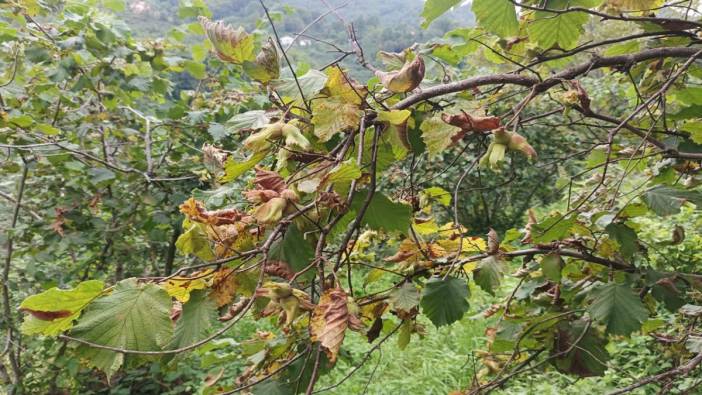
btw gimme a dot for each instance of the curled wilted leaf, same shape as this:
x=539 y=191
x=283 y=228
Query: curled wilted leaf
x=214 y=158
x=266 y=67
x=195 y=210
x=405 y=79
x=530 y=223
x=260 y=195
x=393 y=60
x=231 y=45
x=266 y=179
x=678 y=235
x=493 y=242
x=469 y=123
x=519 y=143
x=330 y=318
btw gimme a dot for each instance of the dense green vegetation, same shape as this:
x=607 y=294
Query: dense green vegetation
x=412 y=197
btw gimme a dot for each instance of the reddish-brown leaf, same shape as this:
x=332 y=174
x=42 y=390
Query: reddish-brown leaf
x=469 y=123
x=47 y=315
x=266 y=179
x=330 y=319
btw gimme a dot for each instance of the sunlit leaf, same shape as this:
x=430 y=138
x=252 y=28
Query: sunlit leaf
x=53 y=311
x=134 y=316
x=564 y=30
x=497 y=16
x=234 y=168
x=311 y=83
x=434 y=9
x=333 y=116
x=438 y=135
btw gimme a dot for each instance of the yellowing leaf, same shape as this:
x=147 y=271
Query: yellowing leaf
x=404 y=80
x=395 y=117
x=346 y=171
x=194 y=241
x=438 y=135
x=468 y=244
x=332 y=116
x=180 y=287
x=231 y=45
x=694 y=127
x=470 y=266
x=426 y=227
x=343 y=87
x=266 y=67
x=223 y=287
x=53 y=311
x=439 y=194
x=634 y=5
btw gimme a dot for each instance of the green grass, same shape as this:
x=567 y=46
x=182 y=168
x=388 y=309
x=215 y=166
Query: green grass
x=440 y=362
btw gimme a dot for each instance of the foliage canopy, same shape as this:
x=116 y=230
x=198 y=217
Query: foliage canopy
x=179 y=185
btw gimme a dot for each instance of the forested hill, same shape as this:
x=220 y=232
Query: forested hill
x=390 y=25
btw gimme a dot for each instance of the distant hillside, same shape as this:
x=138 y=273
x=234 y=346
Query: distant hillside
x=391 y=25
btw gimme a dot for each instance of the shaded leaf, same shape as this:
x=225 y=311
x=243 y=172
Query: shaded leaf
x=194 y=322
x=555 y=227
x=294 y=250
x=551 y=266
x=382 y=213
x=664 y=200
x=488 y=274
x=625 y=237
x=587 y=357
x=444 y=301
x=618 y=307
x=405 y=298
